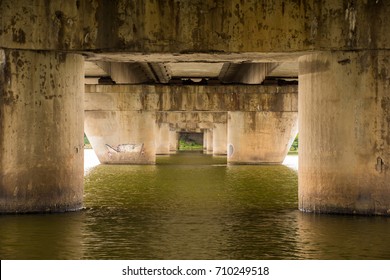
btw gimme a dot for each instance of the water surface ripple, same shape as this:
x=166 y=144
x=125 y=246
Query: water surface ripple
x=192 y=206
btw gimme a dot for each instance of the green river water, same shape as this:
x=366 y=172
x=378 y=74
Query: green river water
x=192 y=206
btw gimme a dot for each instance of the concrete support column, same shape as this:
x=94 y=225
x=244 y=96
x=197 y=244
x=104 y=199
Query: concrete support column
x=205 y=140
x=41 y=131
x=122 y=137
x=209 y=148
x=344 y=138
x=260 y=137
x=220 y=139
x=173 y=140
x=162 y=138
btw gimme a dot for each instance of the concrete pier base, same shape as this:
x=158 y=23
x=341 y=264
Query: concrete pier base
x=162 y=139
x=205 y=140
x=173 y=140
x=210 y=141
x=41 y=131
x=219 y=139
x=344 y=138
x=122 y=137
x=260 y=137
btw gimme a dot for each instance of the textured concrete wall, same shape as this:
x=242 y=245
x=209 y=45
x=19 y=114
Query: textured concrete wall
x=173 y=140
x=191 y=98
x=194 y=26
x=122 y=136
x=210 y=142
x=41 y=131
x=192 y=108
x=260 y=137
x=220 y=139
x=344 y=138
x=191 y=121
x=162 y=138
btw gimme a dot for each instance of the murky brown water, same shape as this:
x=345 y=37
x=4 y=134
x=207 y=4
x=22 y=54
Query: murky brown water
x=192 y=206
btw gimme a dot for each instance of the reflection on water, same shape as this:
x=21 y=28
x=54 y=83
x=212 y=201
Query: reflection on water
x=192 y=206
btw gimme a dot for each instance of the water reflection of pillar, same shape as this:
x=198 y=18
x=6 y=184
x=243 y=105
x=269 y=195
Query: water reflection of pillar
x=45 y=237
x=344 y=152
x=257 y=222
x=41 y=142
x=342 y=237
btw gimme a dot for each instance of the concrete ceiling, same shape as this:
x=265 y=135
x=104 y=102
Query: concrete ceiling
x=195 y=69
x=241 y=69
x=285 y=69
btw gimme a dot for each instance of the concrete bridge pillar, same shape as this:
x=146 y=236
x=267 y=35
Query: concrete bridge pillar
x=344 y=138
x=122 y=137
x=162 y=139
x=210 y=141
x=173 y=140
x=205 y=140
x=260 y=137
x=41 y=131
x=219 y=138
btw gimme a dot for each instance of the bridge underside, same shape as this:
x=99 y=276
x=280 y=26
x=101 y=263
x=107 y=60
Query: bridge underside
x=259 y=121
x=141 y=71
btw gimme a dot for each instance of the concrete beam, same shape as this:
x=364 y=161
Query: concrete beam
x=245 y=73
x=285 y=69
x=92 y=69
x=161 y=71
x=191 y=98
x=193 y=119
x=159 y=26
x=126 y=73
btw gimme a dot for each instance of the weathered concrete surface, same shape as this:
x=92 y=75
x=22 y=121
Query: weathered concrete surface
x=122 y=137
x=205 y=140
x=246 y=73
x=231 y=26
x=220 y=139
x=162 y=138
x=191 y=121
x=191 y=98
x=41 y=131
x=173 y=140
x=209 y=148
x=192 y=108
x=344 y=138
x=260 y=137
x=125 y=73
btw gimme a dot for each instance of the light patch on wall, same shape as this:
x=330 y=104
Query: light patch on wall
x=230 y=150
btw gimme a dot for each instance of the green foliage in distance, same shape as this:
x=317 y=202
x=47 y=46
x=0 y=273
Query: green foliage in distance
x=294 y=146
x=189 y=145
x=87 y=145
